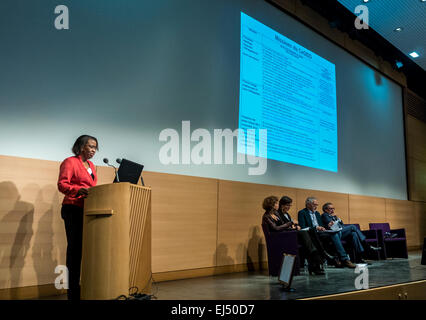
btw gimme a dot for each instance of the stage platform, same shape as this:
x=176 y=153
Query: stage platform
x=259 y=286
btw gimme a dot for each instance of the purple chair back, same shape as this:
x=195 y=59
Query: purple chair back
x=380 y=226
x=394 y=247
x=276 y=244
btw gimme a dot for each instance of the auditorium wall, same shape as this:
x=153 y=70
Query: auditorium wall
x=127 y=71
x=416 y=156
x=200 y=226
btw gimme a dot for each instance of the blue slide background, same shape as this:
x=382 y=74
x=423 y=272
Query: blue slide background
x=291 y=92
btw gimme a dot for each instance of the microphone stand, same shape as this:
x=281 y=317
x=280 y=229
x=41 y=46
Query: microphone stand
x=115 y=169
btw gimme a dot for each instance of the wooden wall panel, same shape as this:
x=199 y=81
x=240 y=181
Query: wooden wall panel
x=197 y=223
x=184 y=221
x=240 y=237
x=420 y=210
x=416 y=149
x=402 y=214
x=32 y=233
x=365 y=210
x=340 y=201
x=417 y=179
x=416 y=138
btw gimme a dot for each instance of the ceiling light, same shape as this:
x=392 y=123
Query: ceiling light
x=399 y=29
x=414 y=54
x=365 y=1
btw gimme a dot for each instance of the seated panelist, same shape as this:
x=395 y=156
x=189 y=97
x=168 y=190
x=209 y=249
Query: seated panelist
x=348 y=232
x=273 y=218
x=311 y=218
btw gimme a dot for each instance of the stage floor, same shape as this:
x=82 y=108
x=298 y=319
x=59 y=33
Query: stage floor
x=259 y=286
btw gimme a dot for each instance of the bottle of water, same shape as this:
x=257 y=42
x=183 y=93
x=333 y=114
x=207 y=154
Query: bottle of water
x=305 y=267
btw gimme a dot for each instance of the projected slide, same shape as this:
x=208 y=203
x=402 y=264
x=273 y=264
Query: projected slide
x=291 y=92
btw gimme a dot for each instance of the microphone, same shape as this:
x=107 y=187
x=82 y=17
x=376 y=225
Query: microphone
x=115 y=169
x=118 y=160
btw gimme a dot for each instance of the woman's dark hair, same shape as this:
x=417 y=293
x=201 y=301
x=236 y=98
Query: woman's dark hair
x=81 y=142
x=285 y=200
x=269 y=202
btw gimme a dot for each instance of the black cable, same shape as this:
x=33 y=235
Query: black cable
x=136 y=295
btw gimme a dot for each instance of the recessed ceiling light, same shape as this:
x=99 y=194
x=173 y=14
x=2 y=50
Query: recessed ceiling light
x=414 y=54
x=365 y=1
x=399 y=28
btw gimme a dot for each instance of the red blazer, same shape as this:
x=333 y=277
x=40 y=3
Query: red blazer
x=74 y=176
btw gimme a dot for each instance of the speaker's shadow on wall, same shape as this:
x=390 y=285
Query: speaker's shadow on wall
x=42 y=252
x=221 y=257
x=255 y=250
x=16 y=229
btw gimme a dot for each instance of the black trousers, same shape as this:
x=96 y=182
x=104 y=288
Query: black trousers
x=313 y=234
x=313 y=253
x=73 y=218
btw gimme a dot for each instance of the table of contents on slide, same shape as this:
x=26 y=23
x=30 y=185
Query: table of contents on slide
x=291 y=92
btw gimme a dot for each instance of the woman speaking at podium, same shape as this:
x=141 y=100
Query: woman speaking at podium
x=76 y=175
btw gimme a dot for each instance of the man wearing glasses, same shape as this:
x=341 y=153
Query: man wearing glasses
x=348 y=232
x=310 y=218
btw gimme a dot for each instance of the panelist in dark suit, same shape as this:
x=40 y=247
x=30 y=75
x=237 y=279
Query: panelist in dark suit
x=310 y=218
x=348 y=232
x=76 y=175
x=309 y=240
x=275 y=223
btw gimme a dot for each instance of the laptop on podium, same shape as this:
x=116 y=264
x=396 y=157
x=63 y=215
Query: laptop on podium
x=129 y=171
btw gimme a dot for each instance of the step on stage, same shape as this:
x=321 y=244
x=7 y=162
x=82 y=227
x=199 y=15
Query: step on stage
x=259 y=286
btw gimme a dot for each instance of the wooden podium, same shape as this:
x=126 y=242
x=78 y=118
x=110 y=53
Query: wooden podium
x=116 y=241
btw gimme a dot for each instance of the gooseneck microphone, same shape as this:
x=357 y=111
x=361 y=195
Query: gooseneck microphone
x=118 y=160
x=115 y=169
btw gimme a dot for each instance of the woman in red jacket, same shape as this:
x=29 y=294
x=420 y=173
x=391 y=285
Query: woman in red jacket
x=77 y=174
